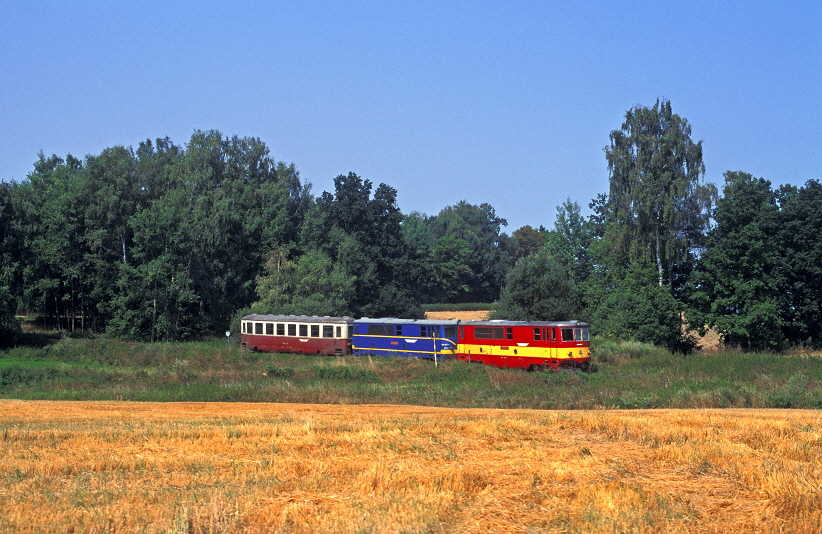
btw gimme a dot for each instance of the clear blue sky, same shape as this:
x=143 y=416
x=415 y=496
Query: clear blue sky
x=507 y=102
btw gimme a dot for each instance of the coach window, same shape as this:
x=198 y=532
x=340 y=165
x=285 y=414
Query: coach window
x=258 y=328
x=292 y=329
x=315 y=330
x=280 y=329
x=328 y=330
x=269 y=329
x=303 y=330
x=339 y=331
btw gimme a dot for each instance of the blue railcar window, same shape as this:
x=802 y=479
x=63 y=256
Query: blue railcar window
x=423 y=331
x=380 y=330
x=450 y=331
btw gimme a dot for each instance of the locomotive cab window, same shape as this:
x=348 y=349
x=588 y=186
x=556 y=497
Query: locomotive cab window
x=509 y=333
x=567 y=334
x=536 y=334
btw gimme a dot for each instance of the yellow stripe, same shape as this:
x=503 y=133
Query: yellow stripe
x=560 y=353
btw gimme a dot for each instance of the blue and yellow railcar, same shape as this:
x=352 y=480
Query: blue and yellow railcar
x=405 y=337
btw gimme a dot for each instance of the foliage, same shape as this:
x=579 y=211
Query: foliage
x=467 y=254
x=800 y=243
x=736 y=288
x=312 y=285
x=539 y=288
x=632 y=306
x=656 y=205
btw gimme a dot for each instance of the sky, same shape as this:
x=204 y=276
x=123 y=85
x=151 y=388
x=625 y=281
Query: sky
x=509 y=103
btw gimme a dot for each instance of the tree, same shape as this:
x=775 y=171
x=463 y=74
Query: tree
x=657 y=205
x=490 y=251
x=527 y=241
x=539 y=288
x=634 y=306
x=313 y=285
x=800 y=241
x=736 y=287
x=10 y=255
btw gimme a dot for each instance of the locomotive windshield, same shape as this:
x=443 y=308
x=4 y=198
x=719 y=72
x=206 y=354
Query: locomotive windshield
x=575 y=334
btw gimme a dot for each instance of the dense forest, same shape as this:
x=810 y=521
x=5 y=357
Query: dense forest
x=170 y=242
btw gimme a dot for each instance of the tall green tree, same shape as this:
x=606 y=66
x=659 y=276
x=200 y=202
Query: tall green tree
x=632 y=305
x=800 y=243
x=11 y=243
x=657 y=204
x=311 y=285
x=539 y=288
x=490 y=251
x=736 y=288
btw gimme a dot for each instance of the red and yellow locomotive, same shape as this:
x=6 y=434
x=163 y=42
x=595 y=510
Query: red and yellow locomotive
x=531 y=345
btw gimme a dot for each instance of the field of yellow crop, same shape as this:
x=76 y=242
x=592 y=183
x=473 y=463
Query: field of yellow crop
x=212 y=467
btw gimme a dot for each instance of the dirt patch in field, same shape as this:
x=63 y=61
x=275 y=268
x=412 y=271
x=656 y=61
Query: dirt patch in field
x=476 y=315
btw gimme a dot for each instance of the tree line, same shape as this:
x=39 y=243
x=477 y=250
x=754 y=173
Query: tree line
x=170 y=242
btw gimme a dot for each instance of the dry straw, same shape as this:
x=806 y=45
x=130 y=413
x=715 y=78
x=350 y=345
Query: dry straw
x=199 y=467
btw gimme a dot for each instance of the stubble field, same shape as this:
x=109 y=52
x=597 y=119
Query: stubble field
x=230 y=467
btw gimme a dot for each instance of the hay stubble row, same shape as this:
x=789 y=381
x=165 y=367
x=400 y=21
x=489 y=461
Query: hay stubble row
x=215 y=467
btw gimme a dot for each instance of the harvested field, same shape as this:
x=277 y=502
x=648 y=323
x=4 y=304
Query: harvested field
x=219 y=467
x=480 y=315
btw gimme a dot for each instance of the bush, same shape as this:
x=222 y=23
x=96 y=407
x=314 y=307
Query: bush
x=273 y=371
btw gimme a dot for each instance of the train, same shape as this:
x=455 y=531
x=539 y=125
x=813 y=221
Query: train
x=530 y=345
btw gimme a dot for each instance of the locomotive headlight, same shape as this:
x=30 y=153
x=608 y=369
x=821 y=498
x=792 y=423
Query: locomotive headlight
x=580 y=351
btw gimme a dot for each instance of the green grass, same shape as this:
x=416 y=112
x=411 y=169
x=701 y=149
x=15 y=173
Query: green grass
x=626 y=375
